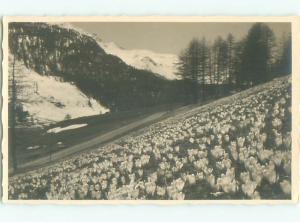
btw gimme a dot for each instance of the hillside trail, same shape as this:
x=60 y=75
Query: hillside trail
x=90 y=144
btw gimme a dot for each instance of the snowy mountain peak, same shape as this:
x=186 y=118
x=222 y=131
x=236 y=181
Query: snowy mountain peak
x=159 y=63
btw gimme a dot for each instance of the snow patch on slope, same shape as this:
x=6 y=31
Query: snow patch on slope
x=61 y=129
x=48 y=99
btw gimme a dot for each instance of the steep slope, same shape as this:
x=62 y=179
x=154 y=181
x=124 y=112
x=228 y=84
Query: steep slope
x=75 y=57
x=162 y=64
x=47 y=99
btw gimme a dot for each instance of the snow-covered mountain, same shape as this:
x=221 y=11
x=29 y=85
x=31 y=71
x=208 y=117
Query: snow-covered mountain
x=160 y=63
x=48 y=99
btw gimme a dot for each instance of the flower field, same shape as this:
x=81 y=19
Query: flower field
x=238 y=147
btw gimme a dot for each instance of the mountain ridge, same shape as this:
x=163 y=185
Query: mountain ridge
x=163 y=64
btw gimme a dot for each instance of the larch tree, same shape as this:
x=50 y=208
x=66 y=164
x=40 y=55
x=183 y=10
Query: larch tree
x=203 y=66
x=230 y=58
x=284 y=60
x=188 y=68
x=258 y=55
x=220 y=63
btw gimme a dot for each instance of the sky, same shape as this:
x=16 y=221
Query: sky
x=169 y=37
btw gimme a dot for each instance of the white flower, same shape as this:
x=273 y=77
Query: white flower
x=217 y=152
x=178 y=184
x=287 y=141
x=177 y=149
x=200 y=176
x=270 y=174
x=191 y=179
x=278 y=140
x=140 y=172
x=178 y=196
x=245 y=177
x=285 y=186
x=201 y=164
x=240 y=141
x=249 y=188
x=211 y=180
x=138 y=163
x=226 y=138
x=161 y=191
x=150 y=188
x=192 y=140
x=145 y=159
x=227 y=184
x=153 y=177
x=255 y=195
x=264 y=154
x=276 y=123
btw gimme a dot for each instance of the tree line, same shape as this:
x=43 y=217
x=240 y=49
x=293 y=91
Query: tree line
x=210 y=69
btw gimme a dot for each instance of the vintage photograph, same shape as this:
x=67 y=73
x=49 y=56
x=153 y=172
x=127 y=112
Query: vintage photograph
x=149 y=110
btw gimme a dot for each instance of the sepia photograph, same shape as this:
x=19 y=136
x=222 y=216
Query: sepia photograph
x=148 y=109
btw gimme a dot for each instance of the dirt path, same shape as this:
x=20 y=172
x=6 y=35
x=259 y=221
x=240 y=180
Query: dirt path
x=93 y=143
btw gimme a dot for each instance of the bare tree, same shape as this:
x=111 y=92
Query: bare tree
x=12 y=125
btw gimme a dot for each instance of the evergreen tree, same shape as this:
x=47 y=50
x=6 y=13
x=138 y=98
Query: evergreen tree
x=203 y=70
x=230 y=58
x=188 y=68
x=220 y=63
x=193 y=67
x=258 y=55
x=284 y=61
x=237 y=63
